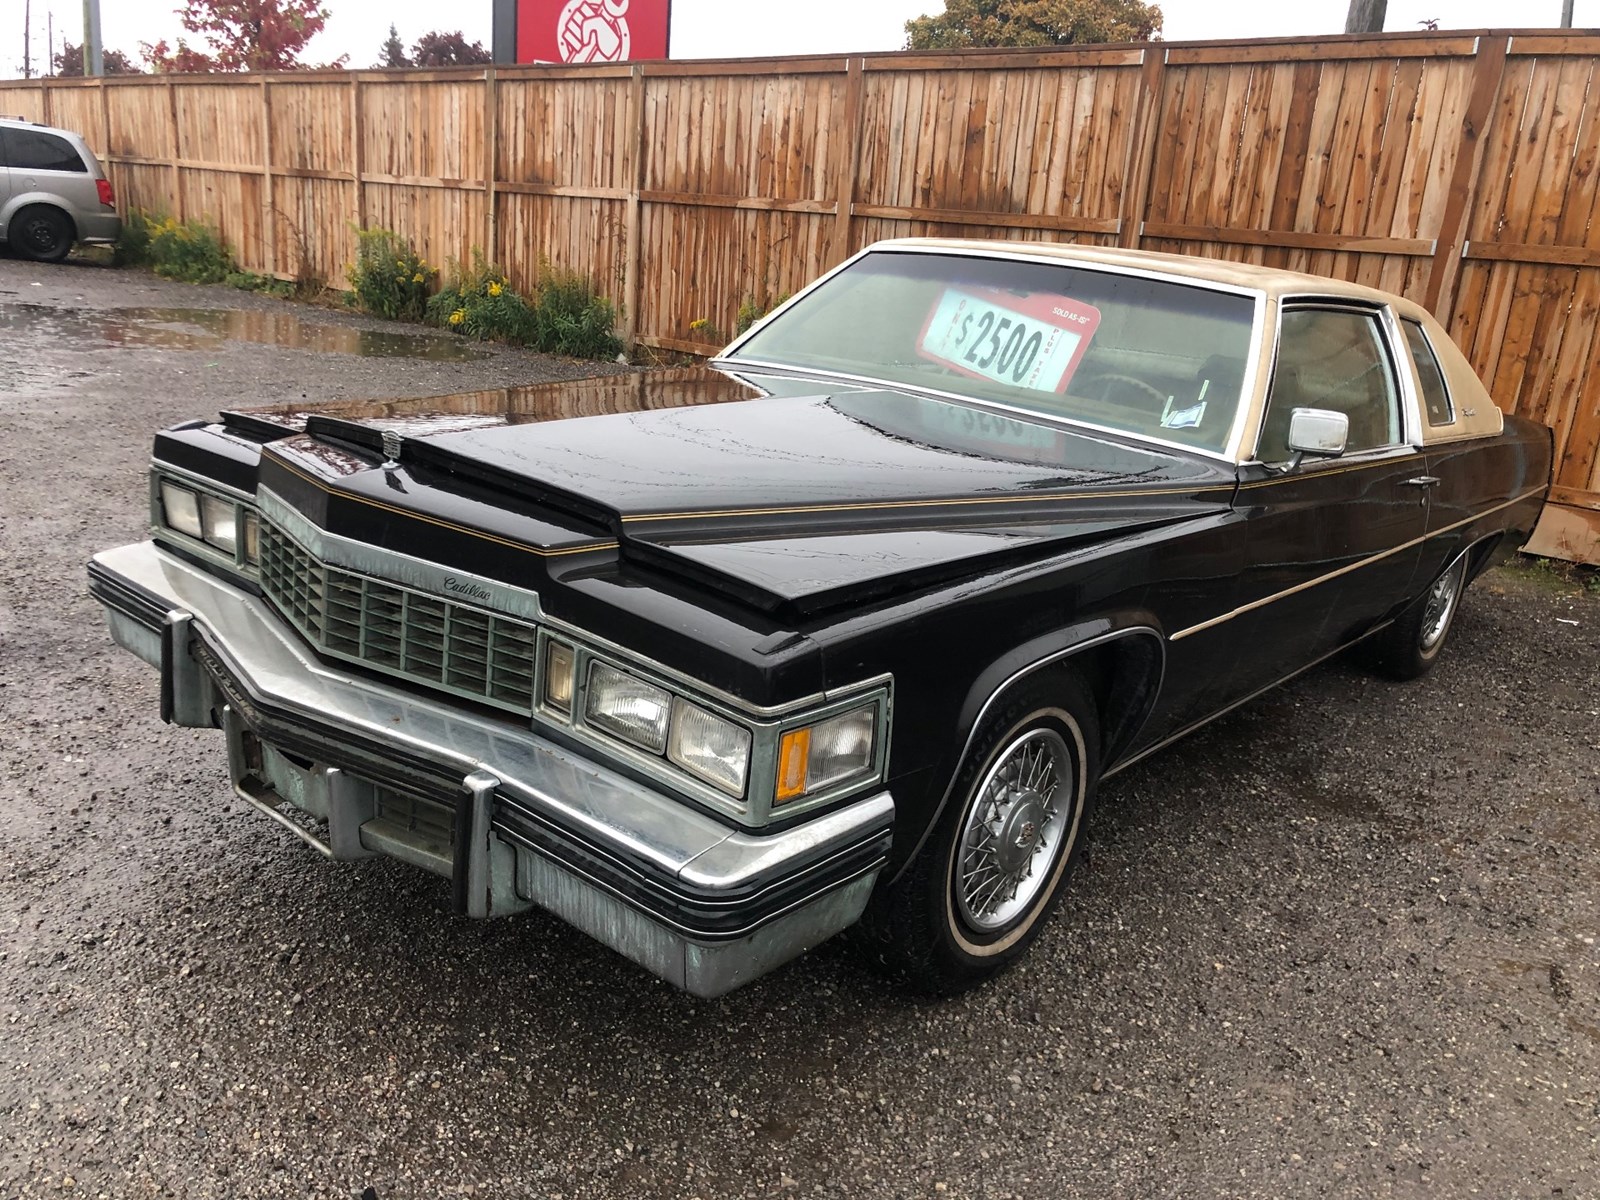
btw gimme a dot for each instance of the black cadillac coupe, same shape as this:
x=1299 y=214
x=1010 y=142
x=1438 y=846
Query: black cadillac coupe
x=840 y=631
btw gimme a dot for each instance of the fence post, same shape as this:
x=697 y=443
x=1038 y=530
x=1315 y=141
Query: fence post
x=1141 y=150
x=105 y=119
x=44 y=103
x=491 y=165
x=269 y=216
x=357 y=151
x=1488 y=69
x=633 y=234
x=178 y=151
x=112 y=173
x=846 y=155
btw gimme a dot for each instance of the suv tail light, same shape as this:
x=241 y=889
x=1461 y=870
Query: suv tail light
x=107 y=196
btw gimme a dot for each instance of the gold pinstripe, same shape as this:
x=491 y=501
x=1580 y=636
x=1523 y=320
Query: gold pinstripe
x=954 y=502
x=442 y=524
x=1345 y=570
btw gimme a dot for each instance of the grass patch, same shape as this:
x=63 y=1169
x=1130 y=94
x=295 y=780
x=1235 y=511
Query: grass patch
x=1554 y=576
x=572 y=318
x=266 y=285
x=477 y=302
x=188 y=251
x=565 y=316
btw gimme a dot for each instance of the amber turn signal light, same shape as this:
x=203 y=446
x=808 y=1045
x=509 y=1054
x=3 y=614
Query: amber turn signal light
x=794 y=756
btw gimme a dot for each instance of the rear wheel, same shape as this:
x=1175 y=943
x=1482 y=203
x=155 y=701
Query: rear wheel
x=997 y=863
x=1409 y=647
x=41 y=234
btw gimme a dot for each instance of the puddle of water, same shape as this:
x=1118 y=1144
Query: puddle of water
x=623 y=392
x=212 y=328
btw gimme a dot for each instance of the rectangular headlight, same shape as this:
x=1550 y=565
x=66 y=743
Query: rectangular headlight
x=633 y=710
x=219 y=522
x=180 y=508
x=818 y=756
x=703 y=744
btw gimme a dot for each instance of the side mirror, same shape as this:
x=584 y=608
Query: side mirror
x=1319 y=432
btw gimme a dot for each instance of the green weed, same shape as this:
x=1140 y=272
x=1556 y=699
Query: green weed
x=751 y=311
x=565 y=316
x=188 y=251
x=477 y=302
x=572 y=318
x=267 y=285
x=389 y=278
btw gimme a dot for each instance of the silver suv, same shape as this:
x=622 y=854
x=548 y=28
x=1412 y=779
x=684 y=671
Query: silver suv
x=53 y=192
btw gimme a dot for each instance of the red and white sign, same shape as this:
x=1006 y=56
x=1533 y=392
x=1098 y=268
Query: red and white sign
x=592 y=31
x=1033 y=342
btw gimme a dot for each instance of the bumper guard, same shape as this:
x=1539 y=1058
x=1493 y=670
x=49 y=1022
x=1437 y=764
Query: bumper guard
x=512 y=818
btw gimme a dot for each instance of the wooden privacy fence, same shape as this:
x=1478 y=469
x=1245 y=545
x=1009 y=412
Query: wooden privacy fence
x=1458 y=169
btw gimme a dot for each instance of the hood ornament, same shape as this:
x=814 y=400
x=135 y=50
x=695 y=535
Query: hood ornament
x=392 y=441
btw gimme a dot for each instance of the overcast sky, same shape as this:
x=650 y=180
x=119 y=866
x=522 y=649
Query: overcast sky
x=718 y=28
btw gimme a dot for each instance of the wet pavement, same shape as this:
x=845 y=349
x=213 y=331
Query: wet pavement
x=214 y=328
x=1341 y=943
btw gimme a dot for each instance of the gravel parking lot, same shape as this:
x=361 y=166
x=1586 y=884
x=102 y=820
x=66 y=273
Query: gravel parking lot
x=1340 y=943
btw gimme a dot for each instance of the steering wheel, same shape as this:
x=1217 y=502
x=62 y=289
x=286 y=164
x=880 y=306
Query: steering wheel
x=1111 y=380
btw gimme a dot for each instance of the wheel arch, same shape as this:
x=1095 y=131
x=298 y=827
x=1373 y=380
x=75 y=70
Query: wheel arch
x=1485 y=553
x=19 y=204
x=1107 y=653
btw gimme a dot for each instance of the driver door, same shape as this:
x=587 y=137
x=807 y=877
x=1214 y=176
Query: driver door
x=1333 y=544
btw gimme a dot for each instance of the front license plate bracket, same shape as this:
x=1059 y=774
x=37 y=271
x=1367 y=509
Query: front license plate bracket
x=267 y=779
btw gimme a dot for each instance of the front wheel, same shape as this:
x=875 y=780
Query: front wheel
x=1409 y=647
x=41 y=234
x=998 y=861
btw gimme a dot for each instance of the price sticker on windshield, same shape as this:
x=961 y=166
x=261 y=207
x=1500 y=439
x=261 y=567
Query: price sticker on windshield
x=1032 y=342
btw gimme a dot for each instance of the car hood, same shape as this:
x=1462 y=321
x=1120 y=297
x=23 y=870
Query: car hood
x=801 y=500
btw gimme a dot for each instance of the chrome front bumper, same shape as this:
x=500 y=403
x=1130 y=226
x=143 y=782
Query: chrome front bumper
x=512 y=818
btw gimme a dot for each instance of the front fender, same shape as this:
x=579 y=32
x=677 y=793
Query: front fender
x=1040 y=653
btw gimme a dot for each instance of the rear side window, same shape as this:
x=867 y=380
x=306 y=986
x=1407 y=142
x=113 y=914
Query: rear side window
x=1435 y=395
x=34 y=150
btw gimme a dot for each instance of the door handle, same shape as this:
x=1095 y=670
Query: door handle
x=1422 y=481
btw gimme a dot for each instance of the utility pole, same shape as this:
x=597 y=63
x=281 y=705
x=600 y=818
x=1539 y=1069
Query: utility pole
x=93 y=59
x=49 y=41
x=1566 y=14
x=1366 y=16
x=27 y=38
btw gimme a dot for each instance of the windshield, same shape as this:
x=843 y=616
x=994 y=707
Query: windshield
x=1146 y=356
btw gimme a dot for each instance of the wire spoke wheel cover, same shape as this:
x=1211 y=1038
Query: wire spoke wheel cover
x=1018 y=825
x=1440 y=605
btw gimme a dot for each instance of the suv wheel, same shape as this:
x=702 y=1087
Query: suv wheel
x=41 y=234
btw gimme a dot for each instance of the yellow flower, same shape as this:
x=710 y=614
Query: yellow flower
x=699 y=323
x=417 y=278
x=458 y=316
x=495 y=289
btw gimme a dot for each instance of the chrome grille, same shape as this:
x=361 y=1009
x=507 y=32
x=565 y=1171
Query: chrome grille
x=455 y=647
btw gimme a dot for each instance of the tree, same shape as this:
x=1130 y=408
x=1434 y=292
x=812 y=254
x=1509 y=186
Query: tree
x=69 y=61
x=1366 y=16
x=392 y=53
x=966 y=23
x=242 y=35
x=439 y=49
